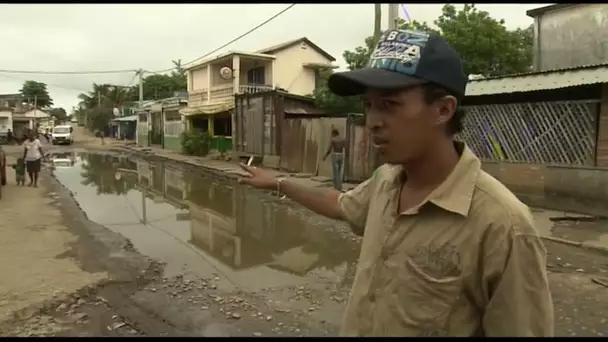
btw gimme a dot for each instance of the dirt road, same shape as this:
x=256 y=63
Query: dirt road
x=72 y=277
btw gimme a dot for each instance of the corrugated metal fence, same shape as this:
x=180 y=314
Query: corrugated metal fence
x=305 y=141
x=538 y=133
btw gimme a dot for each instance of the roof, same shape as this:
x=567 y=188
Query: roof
x=535 y=12
x=10 y=96
x=544 y=80
x=285 y=45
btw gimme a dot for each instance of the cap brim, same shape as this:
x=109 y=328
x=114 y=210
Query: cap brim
x=357 y=82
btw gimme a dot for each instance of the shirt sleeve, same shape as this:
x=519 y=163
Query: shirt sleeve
x=515 y=279
x=354 y=205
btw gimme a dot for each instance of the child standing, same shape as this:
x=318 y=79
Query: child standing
x=20 y=171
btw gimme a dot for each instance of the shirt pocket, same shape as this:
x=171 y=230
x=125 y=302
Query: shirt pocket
x=422 y=301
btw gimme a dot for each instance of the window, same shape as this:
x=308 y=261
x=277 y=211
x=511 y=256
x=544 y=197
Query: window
x=61 y=130
x=256 y=76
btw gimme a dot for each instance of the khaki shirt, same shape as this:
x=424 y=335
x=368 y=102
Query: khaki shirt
x=466 y=262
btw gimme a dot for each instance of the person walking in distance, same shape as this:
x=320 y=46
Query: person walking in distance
x=447 y=249
x=336 y=148
x=32 y=153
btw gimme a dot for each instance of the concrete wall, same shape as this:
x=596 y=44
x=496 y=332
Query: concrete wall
x=576 y=189
x=572 y=37
x=6 y=121
x=289 y=72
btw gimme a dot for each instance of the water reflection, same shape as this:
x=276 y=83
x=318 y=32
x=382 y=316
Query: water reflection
x=244 y=230
x=99 y=170
x=62 y=159
x=189 y=220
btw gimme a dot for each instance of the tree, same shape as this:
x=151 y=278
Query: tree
x=36 y=93
x=485 y=45
x=58 y=113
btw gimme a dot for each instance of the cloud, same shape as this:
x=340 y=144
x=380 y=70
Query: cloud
x=78 y=37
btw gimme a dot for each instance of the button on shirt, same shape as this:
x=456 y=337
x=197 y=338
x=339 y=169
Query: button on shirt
x=466 y=262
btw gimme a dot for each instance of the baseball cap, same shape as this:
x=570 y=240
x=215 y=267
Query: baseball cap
x=402 y=59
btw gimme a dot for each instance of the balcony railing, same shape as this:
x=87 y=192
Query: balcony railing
x=253 y=88
x=223 y=93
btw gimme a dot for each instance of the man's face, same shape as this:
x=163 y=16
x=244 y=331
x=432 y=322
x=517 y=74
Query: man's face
x=402 y=124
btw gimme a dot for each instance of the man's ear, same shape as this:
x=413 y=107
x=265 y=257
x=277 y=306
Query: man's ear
x=446 y=107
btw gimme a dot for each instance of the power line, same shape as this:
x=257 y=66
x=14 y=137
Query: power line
x=97 y=72
x=40 y=72
x=234 y=40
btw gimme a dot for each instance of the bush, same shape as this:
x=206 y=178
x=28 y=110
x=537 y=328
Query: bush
x=195 y=143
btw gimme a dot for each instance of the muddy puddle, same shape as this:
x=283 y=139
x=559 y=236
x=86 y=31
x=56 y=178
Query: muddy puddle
x=202 y=226
x=571 y=226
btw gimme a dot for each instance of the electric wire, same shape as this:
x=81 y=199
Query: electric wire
x=233 y=40
x=41 y=72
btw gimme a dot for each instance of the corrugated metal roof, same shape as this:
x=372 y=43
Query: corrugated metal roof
x=127 y=118
x=545 y=80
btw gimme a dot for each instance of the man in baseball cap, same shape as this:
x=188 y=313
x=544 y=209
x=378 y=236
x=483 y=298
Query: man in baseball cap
x=447 y=250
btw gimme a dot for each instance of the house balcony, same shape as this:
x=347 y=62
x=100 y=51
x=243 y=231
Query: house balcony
x=251 y=73
x=223 y=93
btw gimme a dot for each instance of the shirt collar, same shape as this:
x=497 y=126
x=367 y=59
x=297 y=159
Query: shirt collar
x=455 y=194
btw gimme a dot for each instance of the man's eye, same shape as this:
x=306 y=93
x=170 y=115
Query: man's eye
x=388 y=104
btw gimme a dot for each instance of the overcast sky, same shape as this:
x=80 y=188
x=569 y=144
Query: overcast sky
x=83 y=37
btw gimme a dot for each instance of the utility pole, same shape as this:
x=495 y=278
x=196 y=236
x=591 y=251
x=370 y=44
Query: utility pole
x=140 y=72
x=393 y=16
x=35 y=111
x=98 y=99
x=377 y=20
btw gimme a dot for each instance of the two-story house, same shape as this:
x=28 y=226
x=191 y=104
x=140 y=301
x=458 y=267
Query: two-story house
x=292 y=66
x=570 y=35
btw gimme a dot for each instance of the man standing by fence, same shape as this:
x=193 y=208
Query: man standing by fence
x=337 y=148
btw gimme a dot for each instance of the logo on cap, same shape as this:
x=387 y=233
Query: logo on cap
x=399 y=51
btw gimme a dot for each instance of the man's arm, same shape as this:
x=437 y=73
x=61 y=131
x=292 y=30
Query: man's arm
x=515 y=279
x=321 y=201
x=351 y=206
x=328 y=152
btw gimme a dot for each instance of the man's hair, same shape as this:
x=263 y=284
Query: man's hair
x=432 y=93
x=334 y=132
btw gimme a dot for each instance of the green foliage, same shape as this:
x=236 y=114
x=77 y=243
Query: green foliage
x=195 y=143
x=99 y=118
x=485 y=45
x=36 y=93
x=97 y=104
x=331 y=103
x=59 y=114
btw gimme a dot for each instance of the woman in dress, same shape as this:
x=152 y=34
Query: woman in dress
x=33 y=158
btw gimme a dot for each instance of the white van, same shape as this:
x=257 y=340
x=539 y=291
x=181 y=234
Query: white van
x=62 y=135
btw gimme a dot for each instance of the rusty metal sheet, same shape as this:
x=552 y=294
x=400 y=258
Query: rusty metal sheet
x=358 y=166
x=305 y=141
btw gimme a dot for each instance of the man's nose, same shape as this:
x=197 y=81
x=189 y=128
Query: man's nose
x=373 y=120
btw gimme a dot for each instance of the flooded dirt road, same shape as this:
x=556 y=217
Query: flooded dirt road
x=222 y=245
x=241 y=262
